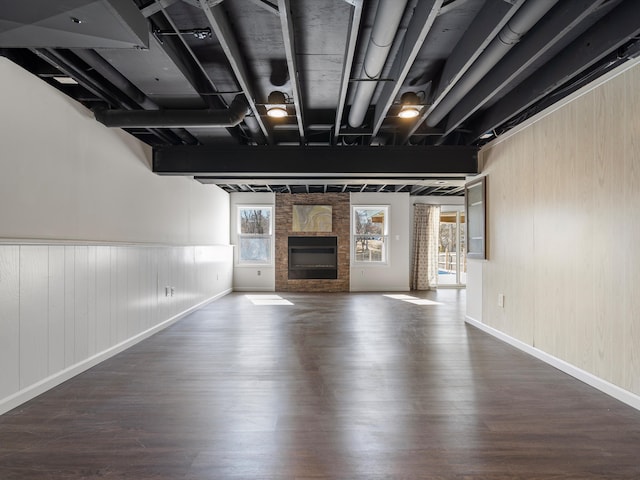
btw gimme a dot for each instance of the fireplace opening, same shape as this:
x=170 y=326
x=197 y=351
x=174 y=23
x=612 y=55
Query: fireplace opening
x=313 y=257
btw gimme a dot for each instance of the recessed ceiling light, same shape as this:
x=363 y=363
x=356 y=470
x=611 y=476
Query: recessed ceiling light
x=75 y=20
x=276 y=105
x=277 y=112
x=410 y=105
x=440 y=182
x=65 y=80
x=409 y=112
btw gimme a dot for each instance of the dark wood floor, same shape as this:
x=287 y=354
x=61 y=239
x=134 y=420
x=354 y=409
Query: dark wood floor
x=340 y=386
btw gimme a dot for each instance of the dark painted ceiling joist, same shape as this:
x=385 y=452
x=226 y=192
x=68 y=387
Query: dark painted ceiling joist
x=349 y=54
x=338 y=162
x=489 y=22
x=422 y=20
x=224 y=33
x=533 y=46
x=286 y=20
x=614 y=30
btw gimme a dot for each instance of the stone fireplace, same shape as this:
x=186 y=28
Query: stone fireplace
x=313 y=253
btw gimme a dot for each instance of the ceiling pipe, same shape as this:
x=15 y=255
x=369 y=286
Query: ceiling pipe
x=108 y=71
x=385 y=27
x=523 y=20
x=111 y=74
x=222 y=118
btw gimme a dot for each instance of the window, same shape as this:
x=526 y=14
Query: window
x=370 y=234
x=254 y=235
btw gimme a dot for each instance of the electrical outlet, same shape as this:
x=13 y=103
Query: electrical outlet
x=259 y=272
x=501 y=300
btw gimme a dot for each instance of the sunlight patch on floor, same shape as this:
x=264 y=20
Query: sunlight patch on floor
x=268 y=300
x=411 y=299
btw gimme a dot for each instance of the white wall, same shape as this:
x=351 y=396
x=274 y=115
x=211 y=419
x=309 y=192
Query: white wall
x=90 y=238
x=563 y=197
x=393 y=276
x=66 y=176
x=252 y=278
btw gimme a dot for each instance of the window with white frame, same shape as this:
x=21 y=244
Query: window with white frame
x=255 y=234
x=370 y=233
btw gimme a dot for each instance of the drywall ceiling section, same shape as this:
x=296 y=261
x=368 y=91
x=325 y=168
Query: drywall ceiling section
x=72 y=24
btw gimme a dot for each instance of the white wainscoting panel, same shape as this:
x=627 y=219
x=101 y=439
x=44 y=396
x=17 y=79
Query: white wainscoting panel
x=9 y=319
x=65 y=308
x=56 y=309
x=34 y=319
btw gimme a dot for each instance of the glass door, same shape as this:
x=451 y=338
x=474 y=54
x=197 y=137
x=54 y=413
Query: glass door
x=452 y=261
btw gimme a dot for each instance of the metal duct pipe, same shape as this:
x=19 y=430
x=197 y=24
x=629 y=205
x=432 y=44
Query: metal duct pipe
x=384 y=30
x=229 y=117
x=523 y=20
x=104 y=68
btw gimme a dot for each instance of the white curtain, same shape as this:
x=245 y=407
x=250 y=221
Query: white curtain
x=426 y=232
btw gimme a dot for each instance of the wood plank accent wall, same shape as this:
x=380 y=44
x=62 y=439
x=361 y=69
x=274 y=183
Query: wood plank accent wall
x=564 y=232
x=63 y=308
x=283 y=229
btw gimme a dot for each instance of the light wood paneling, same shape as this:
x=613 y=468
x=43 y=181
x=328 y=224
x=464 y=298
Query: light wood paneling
x=630 y=242
x=508 y=197
x=9 y=320
x=608 y=185
x=575 y=298
x=34 y=327
x=584 y=264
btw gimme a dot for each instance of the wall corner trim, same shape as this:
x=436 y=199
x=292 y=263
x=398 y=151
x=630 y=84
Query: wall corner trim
x=610 y=389
x=32 y=391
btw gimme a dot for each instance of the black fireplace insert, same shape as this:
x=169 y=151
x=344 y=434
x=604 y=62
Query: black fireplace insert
x=313 y=258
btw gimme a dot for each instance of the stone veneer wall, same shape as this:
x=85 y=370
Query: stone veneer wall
x=340 y=223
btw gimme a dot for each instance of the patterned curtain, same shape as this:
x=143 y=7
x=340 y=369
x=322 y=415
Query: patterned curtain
x=426 y=231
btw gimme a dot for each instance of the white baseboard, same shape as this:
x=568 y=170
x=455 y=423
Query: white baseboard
x=610 y=389
x=32 y=391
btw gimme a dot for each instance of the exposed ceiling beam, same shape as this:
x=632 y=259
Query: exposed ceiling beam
x=268 y=6
x=449 y=7
x=183 y=57
x=487 y=24
x=533 y=46
x=286 y=19
x=338 y=183
x=490 y=20
x=337 y=162
x=422 y=19
x=157 y=6
x=220 y=25
x=350 y=49
x=614 y=30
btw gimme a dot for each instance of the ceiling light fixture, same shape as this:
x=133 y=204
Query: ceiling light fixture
x=277 y=105
x=410 y=105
